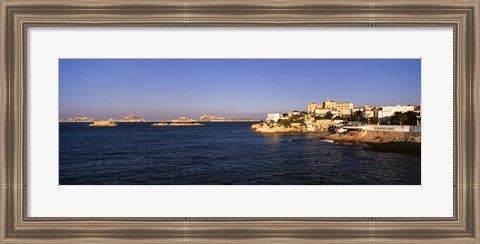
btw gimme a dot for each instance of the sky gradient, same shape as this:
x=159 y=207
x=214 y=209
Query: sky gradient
x=162 y=89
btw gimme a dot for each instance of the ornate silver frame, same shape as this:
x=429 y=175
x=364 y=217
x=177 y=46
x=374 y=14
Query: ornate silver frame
x=17 y=16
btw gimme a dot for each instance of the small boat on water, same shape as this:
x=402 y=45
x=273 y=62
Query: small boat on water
x=327 y=140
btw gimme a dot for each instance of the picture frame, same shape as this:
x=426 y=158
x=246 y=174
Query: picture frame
x=17 y=16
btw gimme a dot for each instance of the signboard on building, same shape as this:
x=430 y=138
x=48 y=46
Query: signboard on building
x=398 y=128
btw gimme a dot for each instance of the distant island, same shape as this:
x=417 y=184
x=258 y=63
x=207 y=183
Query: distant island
x=128 y=118
x=104 y=123
x=183 y=119
x=212 y=118
x=132 y=118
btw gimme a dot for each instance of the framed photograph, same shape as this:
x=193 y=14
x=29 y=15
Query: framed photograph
x=239 y=121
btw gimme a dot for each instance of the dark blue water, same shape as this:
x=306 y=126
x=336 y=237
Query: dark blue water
x=220 y=153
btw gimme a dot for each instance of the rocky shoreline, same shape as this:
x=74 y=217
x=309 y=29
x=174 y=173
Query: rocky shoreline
x=103 y=123
x=375 y=139
x=386 y=142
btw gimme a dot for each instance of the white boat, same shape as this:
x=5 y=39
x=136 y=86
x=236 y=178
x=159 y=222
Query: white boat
x=327 y=140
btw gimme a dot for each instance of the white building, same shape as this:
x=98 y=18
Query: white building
x=356 y=109
x=336 y=113
x=273 y=117
x=344 y=112
x=368 y=114
x=321 y=111
x=385 y=112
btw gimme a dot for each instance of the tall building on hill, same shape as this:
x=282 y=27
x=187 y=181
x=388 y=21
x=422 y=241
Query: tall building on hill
x=329 y=104
x=344 y=105
x=344 y=108
x=312 y=106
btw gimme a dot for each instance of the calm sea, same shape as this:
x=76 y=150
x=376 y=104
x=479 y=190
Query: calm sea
x=221 y=153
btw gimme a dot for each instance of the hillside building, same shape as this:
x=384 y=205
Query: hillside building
x=329 y=104
x=273 y=117
x=292 y=113
x=340 y=108
x=312 y=106
x=385 y=112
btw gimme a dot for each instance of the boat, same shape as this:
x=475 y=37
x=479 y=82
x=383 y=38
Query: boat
x=327 y=140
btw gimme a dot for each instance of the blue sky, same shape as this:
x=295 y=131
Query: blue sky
x=247 y=88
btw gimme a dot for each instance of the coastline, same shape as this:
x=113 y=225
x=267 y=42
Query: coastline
x=375 y=139
x=383 y=141
x=409 y=143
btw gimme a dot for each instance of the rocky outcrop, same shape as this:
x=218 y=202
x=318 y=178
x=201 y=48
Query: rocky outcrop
x=104 y=123
x=376 y=137
x=182 y=120
x=132 y=118
x=383 y=141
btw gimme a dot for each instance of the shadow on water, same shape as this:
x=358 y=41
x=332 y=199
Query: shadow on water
x=397 y=147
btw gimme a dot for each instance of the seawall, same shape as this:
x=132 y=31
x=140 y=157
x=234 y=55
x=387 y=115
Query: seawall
x=384 y=141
